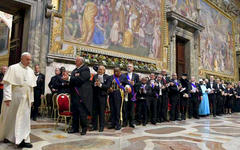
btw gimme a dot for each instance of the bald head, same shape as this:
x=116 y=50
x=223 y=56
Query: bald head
x=101 y=70
x=26 y=59
x=4 y=69
x=79 y=61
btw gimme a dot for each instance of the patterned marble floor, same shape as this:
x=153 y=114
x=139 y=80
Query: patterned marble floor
x=221 y=133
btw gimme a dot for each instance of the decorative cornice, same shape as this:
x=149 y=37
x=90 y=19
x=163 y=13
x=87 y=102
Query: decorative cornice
x=184 y=22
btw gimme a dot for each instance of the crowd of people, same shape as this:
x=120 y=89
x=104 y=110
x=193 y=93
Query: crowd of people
x=132 y=100
x=135 y=100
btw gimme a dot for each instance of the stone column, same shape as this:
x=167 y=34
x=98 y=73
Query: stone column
x=173 y=27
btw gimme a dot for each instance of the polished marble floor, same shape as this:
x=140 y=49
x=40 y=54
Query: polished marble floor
x=221 y=133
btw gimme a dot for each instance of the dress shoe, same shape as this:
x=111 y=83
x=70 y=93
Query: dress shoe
x=154 y=123
x=71 y=131
x=118 y=127
x=6 y=141
x=84 y=131
x=124 y=124
x=111 y=127
x=93 y=129
x=25 y=145
x=101 y=129
x=131 y=125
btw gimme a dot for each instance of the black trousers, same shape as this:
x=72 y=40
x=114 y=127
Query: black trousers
x=99 y=106
x=152 y=109
x=128 y=111
x=36 y=103
x=183 y=106
x=159 y=107
x=193 y=106
x=80 y=112
x=1 y=99
x=143 y=110
x=174 y=101
x=115 y=101
x=213 y=103
x=220 y=104
x=164 y=107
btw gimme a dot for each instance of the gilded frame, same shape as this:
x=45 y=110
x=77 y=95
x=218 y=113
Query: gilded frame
x=87 y=48
x=204 y=72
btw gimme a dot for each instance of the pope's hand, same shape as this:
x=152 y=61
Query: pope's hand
x=7 y=102
x=42 y=96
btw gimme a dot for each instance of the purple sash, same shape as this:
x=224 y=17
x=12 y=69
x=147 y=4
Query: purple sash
x=118 y=83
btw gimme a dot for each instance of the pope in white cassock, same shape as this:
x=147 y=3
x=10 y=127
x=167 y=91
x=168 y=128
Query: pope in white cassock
x=19 y=81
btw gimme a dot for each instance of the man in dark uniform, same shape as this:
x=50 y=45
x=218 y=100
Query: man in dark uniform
x=38 y=92
x=162 y=106
x=128 y=106
x=116 y=91
x=195 y=97
x=142 y=95
x=212 y=95
x=173 y=94
x=100 y=88
x=219 y=97
x=3 y=71
x=184 y=95
x=52 y=83
x=152 y=99
x=81 y=96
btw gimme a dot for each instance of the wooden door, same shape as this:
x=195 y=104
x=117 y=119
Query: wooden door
x=180 y=63
x=16 y=38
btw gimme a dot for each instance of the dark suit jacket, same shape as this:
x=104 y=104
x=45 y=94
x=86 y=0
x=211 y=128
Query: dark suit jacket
x=214 y=86
x=81 y=88
x=39 y=89
x=199 y=93
x=52 y=83
x=135 y=78
x=40 y=83
x=122 y=79
x=100 y=91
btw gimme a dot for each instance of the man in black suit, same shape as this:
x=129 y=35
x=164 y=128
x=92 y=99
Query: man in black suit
x=116 y=91
x=128 y=105
x=152 y=98
x=38 y=92
x=195 y=97
x=142 y=95
x=162 y=106
x=173 y=93
x=3 y=71
x=184 y=95
x=100 y=88
x=81 y=96
x=52 y=83
x=212 y=95
x=219 y=97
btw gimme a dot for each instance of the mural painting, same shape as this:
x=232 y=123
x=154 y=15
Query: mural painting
x=216 y=41
x=126 y=26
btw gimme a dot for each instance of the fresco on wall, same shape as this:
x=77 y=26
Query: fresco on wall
x=216 y=44
x=187 y=8
x=127 y=26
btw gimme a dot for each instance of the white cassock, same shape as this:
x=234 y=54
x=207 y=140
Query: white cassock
x=15 y=119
